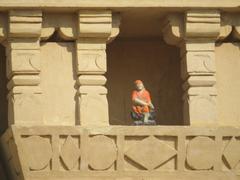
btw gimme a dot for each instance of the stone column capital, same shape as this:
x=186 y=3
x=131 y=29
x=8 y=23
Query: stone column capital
x=98 y=24
x=202 y=24
x=24 y=24
x=198 y=26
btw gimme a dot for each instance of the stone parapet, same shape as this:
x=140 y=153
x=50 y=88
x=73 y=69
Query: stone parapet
x=118 y=152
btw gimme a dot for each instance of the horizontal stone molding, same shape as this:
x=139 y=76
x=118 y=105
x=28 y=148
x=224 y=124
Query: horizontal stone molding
x=103 y=4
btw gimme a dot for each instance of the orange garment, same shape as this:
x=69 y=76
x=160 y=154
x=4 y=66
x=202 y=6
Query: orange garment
x=143 y=95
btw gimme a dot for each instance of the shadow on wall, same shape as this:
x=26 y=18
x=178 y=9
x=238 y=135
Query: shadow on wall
x=2 y=171
x=3 y=91
x=152 y=61
x=3 y=104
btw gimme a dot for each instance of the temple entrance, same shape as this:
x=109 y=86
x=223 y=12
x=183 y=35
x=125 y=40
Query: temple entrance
x=157 y=65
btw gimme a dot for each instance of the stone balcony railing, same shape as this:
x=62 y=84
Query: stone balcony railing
x=121 y=152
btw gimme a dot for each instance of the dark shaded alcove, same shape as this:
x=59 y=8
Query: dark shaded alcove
x=152 y=61
x=3 y=91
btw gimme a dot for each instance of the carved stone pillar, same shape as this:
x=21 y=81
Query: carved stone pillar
x=23 y=67
x=95 y=29
x=202 y=29
x=196 y=34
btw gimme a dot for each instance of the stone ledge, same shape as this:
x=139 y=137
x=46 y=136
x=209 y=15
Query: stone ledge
x=46 y=4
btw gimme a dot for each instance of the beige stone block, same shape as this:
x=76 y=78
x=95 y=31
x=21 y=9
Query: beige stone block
x=70 y=153
x=93 y=90
x=231 y=156
x=202 y=24
x=25 y=106
x=58 y=83
x=199 y=81
x=102 y=152
x=199 y=46
x=23 y=44
x=25 y=30
x=23 y=80
x=201 y=110
x=90 y=44
x=95 y=23
x=195 y=91
x=91 y=62
x=91 y=80
x=23 y=62
x=26 y=13
x=147 y=153
x=25 y=23
x=93 y=110
x=198 y=63
x=203 y=147
x=37 y=152
x=228 y=84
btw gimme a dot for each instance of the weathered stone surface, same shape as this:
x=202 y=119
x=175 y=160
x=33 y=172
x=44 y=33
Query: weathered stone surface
x=230 y=152
x=66 y=87
x=102 y=152
x=197 y=42
x=37 y=151
x=147 y=152
x=227 y=65
x=70 y=153
x=94 y=31
x=203 y=147
x=112 y=152
x=58 y=80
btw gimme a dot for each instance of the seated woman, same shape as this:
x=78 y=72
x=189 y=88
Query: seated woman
x=142 y=108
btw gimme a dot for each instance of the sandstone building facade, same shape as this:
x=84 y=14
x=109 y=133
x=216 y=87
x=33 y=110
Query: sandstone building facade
x=66 y=75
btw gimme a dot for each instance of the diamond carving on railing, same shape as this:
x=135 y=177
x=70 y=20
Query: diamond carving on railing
x=70 y=153
x=231 y=152
x=150 y=153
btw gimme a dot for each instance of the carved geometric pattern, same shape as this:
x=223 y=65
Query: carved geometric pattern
x=232 y=153
x=70 y=153
x=38 y=152
x=92 y=62
x=25 y=61
x=102 y=152
x=201 y=153
x=150 y=152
